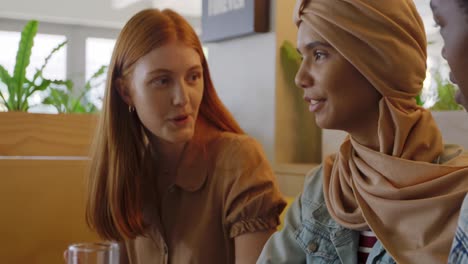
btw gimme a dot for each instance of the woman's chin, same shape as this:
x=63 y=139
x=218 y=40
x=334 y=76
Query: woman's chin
x=177 y=137
x=324 y=125
x=323 y=122
x=182 y=137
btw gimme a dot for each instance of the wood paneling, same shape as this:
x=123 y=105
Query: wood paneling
x=43 y=166
x=42 y=209
x=26 y=134
x=291 y=177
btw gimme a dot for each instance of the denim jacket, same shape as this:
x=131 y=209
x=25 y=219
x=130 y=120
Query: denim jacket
x=459 y=251
x=310 y=235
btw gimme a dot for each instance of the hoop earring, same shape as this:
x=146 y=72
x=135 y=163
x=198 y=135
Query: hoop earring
x=131 y=109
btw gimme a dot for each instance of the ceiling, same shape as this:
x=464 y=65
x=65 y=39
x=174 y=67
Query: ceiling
x=188 y=8
x=193 y=9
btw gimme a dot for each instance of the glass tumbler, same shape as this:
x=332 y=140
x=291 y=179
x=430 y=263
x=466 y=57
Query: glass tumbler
x=93 y=253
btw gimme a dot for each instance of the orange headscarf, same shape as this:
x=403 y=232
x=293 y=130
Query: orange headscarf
x=410 y=202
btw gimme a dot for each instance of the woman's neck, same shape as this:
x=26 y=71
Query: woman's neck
x=168 y=154
x=371 y=142
x=367 y=132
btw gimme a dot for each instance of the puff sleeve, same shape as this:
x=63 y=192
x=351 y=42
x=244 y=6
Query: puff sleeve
x=252 y=200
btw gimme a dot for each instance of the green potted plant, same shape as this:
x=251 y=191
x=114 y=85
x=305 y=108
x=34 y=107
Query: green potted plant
x=64 y=101
x=61 y=94
x=20 y=89
x=28 y=134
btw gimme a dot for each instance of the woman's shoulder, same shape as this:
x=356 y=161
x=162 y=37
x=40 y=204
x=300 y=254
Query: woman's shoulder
x=233 y=140
x=312 y=194
x=313 y=207
x=236 y=149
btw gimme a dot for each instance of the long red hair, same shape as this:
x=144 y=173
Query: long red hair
x=115 y=197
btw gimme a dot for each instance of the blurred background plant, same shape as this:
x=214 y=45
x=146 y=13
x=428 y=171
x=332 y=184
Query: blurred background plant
x=60 y=94
x=306 y=133
x=441 y=94
x=290 y=62
x=66 y=102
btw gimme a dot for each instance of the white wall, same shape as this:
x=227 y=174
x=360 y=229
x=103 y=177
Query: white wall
x=248 y=76
x=243 y=72
x=99 y=13
x=82 y=12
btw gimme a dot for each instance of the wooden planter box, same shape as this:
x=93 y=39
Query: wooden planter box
x=43 y=164
x=27 y=134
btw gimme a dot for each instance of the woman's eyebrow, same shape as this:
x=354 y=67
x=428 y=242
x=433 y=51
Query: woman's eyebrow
x=314 y=44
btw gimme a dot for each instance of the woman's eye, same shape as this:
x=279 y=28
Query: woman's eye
x=194 y=77
x=162 y=81
x=319 y=55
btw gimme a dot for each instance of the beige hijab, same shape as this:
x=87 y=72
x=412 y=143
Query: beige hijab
x=400 y=192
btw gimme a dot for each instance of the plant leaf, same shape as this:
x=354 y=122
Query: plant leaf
x=76 y=105
x=4 y=76
x=446 y=95
x=5 y=103
x=102 y=70
x=56 y=98
x=46 y=61
x=67 y=83
x=12 y=96
x=418 y=100
x=6 y=79
x=23 y=58
x=42 y=87
x=99 y=72
x=290 y=51
x=78 y=109
x=24 y=104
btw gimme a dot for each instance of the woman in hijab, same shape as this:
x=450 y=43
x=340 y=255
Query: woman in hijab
x=393 y=191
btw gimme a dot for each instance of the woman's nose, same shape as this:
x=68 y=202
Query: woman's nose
x=303 y=78
x=180 y=94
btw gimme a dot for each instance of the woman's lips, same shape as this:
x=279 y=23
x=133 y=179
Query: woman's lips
x=180 y=120
x=315 y=104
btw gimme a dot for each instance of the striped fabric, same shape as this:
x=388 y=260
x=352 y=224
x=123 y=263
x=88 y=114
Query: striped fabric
x=367 y=240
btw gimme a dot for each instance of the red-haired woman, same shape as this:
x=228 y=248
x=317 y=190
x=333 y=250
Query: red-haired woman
x=173 y=177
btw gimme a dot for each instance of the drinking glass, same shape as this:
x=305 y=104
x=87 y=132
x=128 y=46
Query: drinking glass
x=93 y=253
